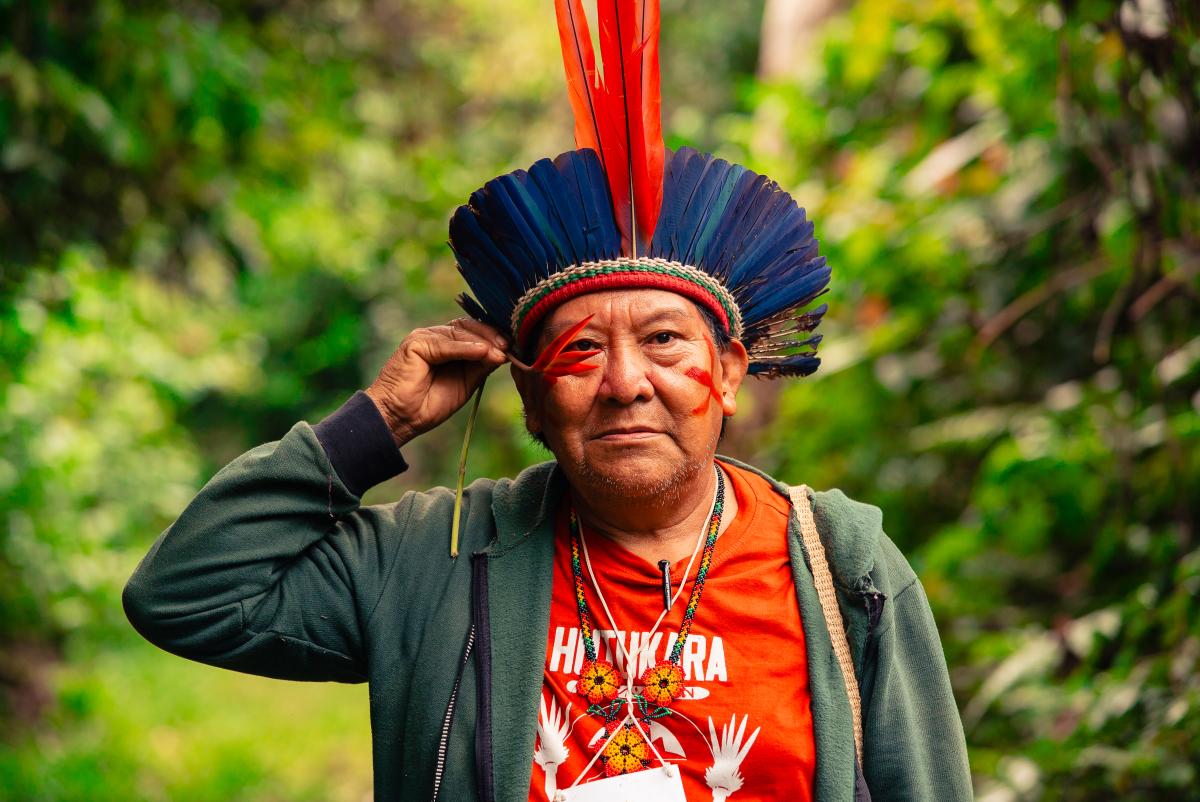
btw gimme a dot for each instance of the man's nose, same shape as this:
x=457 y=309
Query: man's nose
x=626 y=375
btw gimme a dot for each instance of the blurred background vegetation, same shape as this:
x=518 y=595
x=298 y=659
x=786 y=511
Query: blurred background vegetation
x=218 y=218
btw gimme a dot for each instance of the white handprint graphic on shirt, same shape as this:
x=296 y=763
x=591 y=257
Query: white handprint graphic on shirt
x=724 y=775
x=552 y=732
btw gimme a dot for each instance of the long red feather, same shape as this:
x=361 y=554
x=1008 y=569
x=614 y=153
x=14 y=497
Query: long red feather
x=649 y=193
x=618 y=126
x=619 y=115
x=579 y=60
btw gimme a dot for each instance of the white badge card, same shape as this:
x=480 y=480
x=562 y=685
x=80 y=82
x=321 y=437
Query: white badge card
x=661 y=784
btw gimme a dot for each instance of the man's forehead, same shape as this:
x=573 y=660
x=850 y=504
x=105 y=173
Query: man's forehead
x=638 y=307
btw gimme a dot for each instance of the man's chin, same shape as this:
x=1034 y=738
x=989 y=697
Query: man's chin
x=634 y=475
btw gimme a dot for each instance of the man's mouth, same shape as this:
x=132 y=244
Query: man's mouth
x=628 y=434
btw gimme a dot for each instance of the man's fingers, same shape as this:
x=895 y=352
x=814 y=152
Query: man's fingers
x=469 y=328
x=440 y=350
x=433 y=371
x=476 y=372
x=460 y=339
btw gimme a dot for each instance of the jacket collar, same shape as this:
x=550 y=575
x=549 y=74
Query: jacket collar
x=519 y=578
x=850 y=529
x=525 y=505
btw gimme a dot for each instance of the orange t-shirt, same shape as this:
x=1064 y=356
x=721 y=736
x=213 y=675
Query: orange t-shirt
x=743 y=725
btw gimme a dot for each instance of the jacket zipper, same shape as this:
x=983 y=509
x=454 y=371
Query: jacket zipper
x=873 y=602
x=486 y=789
x=444 y=743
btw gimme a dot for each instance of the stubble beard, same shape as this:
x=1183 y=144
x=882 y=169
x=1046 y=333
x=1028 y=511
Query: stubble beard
x=667 y=487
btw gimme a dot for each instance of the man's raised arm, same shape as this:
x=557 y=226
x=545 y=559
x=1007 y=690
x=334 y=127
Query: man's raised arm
x=274 y=568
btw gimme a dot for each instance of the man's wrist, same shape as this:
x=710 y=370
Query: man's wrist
x=360 y=444
x=401 y=433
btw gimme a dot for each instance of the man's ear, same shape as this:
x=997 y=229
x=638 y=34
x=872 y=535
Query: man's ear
x=734 y=363
x=527 y=386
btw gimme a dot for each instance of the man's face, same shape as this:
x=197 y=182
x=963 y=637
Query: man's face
x=648 y=417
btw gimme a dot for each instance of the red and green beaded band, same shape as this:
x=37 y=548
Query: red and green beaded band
x=618 y=273
x=585 y=619
x=714 y=529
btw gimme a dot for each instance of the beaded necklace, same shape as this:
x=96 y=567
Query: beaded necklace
x=600 y=681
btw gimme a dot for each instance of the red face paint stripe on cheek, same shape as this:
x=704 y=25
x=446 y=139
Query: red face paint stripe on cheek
x=705 y=377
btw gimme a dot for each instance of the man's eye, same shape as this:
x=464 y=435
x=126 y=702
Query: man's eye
x=582 y=345
x=664 y=337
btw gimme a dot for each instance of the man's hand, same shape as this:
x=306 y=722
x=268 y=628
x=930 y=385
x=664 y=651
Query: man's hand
x=432 y=373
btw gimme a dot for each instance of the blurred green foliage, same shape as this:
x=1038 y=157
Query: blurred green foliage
x=1008 y=194
x=218 y=218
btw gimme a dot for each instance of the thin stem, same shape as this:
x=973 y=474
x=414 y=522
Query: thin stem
x=521 y=365
x=462 y=471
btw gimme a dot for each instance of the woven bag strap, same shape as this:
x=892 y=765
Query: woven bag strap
x=823 y=579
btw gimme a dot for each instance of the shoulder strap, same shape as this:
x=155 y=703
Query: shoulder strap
x=823 y=579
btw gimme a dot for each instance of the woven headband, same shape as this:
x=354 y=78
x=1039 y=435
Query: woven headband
x=609 y=274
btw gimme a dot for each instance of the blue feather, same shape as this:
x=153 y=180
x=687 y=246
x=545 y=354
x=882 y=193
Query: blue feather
x=765 y=239
x=759 y=231
x=473 y=308
x=786 y=320
x=583 y=168
x=693 y=214
x=552 y=243
x=478 y=256
x=716 y=211
x=786 y=294
x=668 y=215
x=686 y=167
x=797 y=365
x=555 y=197
x=721 y=256
x=510 y=230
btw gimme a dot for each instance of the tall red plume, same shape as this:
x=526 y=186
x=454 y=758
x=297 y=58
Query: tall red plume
x=580 y=62
x=619 y=114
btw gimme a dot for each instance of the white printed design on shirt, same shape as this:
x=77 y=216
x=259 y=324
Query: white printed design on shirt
x=551 y=750
x=701 y=661
x=724 y=776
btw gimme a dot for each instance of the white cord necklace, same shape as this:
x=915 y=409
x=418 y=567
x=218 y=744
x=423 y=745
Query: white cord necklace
x=630 y=664
x=674 y=598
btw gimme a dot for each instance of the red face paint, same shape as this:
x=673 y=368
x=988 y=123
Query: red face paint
x=705 y=377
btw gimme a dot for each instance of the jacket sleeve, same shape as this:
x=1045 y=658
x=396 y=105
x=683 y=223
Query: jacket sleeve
x=914 y=742
x=274 y=568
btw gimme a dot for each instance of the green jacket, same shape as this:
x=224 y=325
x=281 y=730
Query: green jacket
x=276 y=569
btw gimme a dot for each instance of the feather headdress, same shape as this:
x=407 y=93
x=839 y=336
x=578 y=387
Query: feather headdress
x=620 y=211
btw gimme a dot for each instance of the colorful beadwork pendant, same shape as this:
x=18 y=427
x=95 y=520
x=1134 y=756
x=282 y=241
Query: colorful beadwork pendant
x=599 y=681
x=662 y=683
x=626 y=752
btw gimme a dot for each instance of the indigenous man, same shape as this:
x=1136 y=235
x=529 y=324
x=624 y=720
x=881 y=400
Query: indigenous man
x=638 y=619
